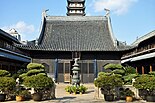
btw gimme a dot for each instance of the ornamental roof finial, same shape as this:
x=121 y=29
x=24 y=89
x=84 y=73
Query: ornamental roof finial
x=44 y=13
x=107 y=11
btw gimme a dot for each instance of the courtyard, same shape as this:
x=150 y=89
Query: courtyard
x=63 y=97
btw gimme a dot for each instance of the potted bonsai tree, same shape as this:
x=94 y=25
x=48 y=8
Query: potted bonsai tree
x=107 y=83
x=6 y=84
x=36 y=78
x=146 y=83
x=22 y=94
x=38 y=82
x=129 y=95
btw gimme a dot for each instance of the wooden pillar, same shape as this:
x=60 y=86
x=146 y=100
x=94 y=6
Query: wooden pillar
x=0 y=66
x=142 y=69
x=136 y=69
x=150 y=68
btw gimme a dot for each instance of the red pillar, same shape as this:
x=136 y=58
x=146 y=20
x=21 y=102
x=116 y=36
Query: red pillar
x=136 y=69
x=150 y=68
x=142 y=69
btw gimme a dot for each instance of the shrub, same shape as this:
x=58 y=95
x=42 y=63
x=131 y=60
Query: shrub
x=108 y=82
x=129 y=92
x=7 y=83
x=38 y=82
x=152 y=73
x=68 y=89
x=22 y=77
x=24 y=93
x=44 y=74
x=15 y=76
x=35 y=72
x=129 y=70
x=145 y=82
x=103 y=74
x=119 y=71
x=35 y=66
x=128 y=78
x=4 y=73
x=113 y=66
x=74 y=89
x=82 y=89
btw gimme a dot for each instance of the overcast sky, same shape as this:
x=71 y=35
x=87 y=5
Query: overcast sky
x=130 y=18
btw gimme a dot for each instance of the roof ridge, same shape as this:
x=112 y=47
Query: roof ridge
x=144 y=37
x=76 y=18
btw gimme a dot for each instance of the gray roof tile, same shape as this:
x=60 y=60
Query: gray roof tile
x=143 y=38
x=75 y=33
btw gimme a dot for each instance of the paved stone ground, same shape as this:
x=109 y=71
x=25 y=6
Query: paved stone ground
x=63 y=97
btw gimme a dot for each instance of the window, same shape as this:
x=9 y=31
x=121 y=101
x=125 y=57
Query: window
x=91 y=67
x=84 y=68
x=60 y=67
x=67 y=67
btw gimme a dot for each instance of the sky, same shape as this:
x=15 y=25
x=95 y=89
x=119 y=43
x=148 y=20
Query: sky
x=130 y=19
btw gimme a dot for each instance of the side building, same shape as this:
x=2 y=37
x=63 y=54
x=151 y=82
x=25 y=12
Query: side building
x=64 y=38
x=11 y=58
x=142 y=55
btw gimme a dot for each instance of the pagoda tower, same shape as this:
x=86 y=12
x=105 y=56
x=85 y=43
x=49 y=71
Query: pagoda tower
x=76 y=8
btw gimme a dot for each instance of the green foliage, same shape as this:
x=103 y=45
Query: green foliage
x=108 y=83
x=74 y=89
x=35 y=66
x=35 y=72
x=128 y=78
x=119 y=71
x=152 y=73
x=113 y=66
x=33 y=69
x=68 y=89
x=103 y=74
x=15 y=76
x=44 y=74
x=111 y=81
x=82 y=89
x=130 y=70
x=23 y=76
x=129 y=92
x=38 y=82
x=7 y=83
x=145 y=82
x=118 y=75
x=4 y=73
x=19 y=72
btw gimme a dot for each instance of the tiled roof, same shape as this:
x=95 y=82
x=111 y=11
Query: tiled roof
x=75 y=33
x=8 y=36
x=76 y=0
x=122 y=46
x=145 y=37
